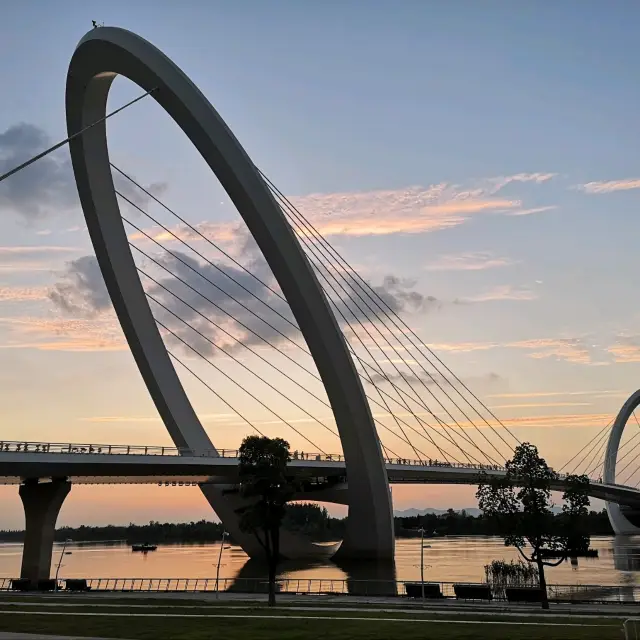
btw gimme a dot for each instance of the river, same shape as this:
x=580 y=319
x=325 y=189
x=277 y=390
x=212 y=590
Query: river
x=447 y=559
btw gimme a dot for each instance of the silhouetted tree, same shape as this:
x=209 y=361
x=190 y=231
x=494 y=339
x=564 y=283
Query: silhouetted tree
x=520 y=504
x=264 y=484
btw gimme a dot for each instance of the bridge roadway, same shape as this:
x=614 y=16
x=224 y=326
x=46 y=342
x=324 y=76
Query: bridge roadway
x=319 y=473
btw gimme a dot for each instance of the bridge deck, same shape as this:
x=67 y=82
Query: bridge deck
x=122 y=464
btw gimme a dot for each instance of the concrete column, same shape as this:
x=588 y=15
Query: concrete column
x=42 y=502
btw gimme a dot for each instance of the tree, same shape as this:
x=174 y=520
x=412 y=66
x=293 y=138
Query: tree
x=521 y=506
x=264 y=484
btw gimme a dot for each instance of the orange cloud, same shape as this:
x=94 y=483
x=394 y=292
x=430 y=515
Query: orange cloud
x=382 y=212
x=614 y=393
x=626 y=349
x=63 y=334
x=470 y=261
x=610 y=186
x=463 y=346
x=569 y=349
x=22 y=294
x=503 y=292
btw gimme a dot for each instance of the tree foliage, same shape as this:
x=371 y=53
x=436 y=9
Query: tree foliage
x=521 y=506
x=264 y=484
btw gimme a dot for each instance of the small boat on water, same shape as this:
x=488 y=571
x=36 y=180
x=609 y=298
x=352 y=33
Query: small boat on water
x=144 y=546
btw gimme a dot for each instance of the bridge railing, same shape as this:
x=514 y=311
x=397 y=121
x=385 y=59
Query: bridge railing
x=122 y=449
x=138 y=450
x=321 y=586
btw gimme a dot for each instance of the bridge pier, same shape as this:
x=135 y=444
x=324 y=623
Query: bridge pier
x=42 y=502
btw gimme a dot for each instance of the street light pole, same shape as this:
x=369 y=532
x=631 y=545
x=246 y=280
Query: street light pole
x=224 y=534
x=422 y=560
x=64 y=547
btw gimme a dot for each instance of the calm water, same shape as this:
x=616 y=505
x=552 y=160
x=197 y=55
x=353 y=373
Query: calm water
x=449 y=559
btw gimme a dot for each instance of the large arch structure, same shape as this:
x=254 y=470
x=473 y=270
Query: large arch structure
x=101 y=55
x=619 y=521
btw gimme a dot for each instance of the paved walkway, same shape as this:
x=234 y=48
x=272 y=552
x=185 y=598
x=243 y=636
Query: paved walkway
x=329 y=618
x=5 y=635
x=348 y=602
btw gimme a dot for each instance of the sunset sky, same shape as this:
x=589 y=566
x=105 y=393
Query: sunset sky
x=481 y=155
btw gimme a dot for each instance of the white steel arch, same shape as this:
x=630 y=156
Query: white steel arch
x=100 y=56
x=619 y=522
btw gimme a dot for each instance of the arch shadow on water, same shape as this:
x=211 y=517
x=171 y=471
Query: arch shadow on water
x=361 y=577
x=370 y=577
x=626 y=553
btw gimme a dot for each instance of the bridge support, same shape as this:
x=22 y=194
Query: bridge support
x=42 y=502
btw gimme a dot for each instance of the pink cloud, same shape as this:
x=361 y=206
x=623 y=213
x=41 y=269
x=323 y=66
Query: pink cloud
x=470 y=261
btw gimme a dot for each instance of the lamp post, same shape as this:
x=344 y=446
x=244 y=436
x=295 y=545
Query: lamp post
x=422 y=560
x=64 y=547
x=224 y=534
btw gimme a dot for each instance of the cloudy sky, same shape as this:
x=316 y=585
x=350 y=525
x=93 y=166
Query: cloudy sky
x=476 y=162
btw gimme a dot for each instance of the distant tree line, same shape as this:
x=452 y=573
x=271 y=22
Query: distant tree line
x=309 y=519
x=460 y=523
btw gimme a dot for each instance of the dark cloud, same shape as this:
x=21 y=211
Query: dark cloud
x=490 y=379
x=47 y=186
x=82 y=290
x=205 y=290
x=400 y=295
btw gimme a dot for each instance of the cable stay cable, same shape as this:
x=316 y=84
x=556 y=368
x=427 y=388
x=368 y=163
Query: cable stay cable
x=621 y=471
x=382 y=373
x=195 y=230
x=383 y=305
x=598 y=458
x=154 y=241
x=215 y=286
x=325 y=274
x=628 y=442
x=145 y=234
x=378 y=370
x=312 y=250
x=211 y=264
x=304 y=239
x=224 y=311
x=626 y=455
x=236 y=360
x=566 y=464
x=267 y=342
x=56 y=146
x=162 y=266
x=195 y=251
x=634 y=470
x=582 y=463
x=215 y=393
x=230 y=335
x=230 y=378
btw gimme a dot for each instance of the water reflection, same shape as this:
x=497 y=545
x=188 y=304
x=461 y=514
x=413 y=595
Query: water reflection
x=365 y=577
x=448 y=559
x=626 y=553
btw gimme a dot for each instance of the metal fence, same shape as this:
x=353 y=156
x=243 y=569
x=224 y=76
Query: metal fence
x=316 y=586
x=121 y=449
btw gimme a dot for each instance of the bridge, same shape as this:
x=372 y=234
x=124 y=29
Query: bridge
x=316 y=472
x=283 y=335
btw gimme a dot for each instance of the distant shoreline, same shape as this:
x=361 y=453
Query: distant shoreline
x=309 y=520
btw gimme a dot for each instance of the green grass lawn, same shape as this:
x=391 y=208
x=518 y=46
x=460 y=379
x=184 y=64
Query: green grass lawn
x=246 y=625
